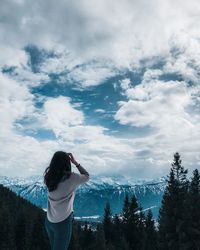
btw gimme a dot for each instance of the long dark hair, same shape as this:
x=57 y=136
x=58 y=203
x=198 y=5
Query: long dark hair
x=60 y=166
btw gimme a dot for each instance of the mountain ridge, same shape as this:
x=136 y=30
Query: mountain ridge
x=92 y=196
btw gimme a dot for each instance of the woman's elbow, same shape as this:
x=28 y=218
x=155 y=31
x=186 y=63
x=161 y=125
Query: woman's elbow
x=87 y=177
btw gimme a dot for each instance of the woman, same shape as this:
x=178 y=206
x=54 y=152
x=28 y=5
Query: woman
x=61 y=183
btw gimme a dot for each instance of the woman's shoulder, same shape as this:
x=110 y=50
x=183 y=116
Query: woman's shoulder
x=69 y=175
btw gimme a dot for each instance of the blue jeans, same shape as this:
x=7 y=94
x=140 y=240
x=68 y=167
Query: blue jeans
x=59 y=233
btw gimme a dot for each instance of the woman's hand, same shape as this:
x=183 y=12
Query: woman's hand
x=72 y=159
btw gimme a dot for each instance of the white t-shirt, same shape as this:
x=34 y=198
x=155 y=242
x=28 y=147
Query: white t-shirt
x=60 y=201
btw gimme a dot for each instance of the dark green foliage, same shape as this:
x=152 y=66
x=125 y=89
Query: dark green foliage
x=21 y=223
x=107 y=223
x=38 y=232
x=126 y=211
x=150 y=239
x=192 y=213
x=117 y=231
x=141 y=228
x=87 y=237
x=75 y=240
x=21 y=230
x=7 y=236
x=172 y=218
x=132 y=225
x=100 y=238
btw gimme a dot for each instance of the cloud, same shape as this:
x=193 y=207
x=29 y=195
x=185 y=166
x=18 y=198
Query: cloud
x=184 y=58
x=20 y=154
x=28 y=78
x=86 y=141
x=124 y=32
x=154 y=103
x=91 y=74
x=16 y=102
x=125 y=84
x=85 y=44
x=98 y=40
x=168 y=108
x=25 y=155
x=77 y=71
x=100 y=110
x=60 y=114
x=7 y=59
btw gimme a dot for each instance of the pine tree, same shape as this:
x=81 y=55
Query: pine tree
x=172 y=211
x=117 y=232
x=126 y=211
x=37 y=232
x=141 y=228
x=107 y=223
x=150 y=239
x=75 y=239
x=109 y=246
x=133 y=232
x=124 y=245
x=87 y=237
x=193 y=212
x=15 y=231
x=7 y=236
x=90 y=238
x=117 y=227
x=133 y=223
x=126 y=218
x=100 y=238
x=21 y=231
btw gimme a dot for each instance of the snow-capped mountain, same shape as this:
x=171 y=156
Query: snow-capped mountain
x=92 y=196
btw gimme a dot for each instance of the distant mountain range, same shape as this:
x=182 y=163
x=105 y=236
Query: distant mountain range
x=92 y=196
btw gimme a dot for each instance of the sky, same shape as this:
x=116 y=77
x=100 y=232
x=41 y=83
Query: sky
x=114 y=82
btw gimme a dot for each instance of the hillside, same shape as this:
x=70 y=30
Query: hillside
x=21 y=223
x=91 y=197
